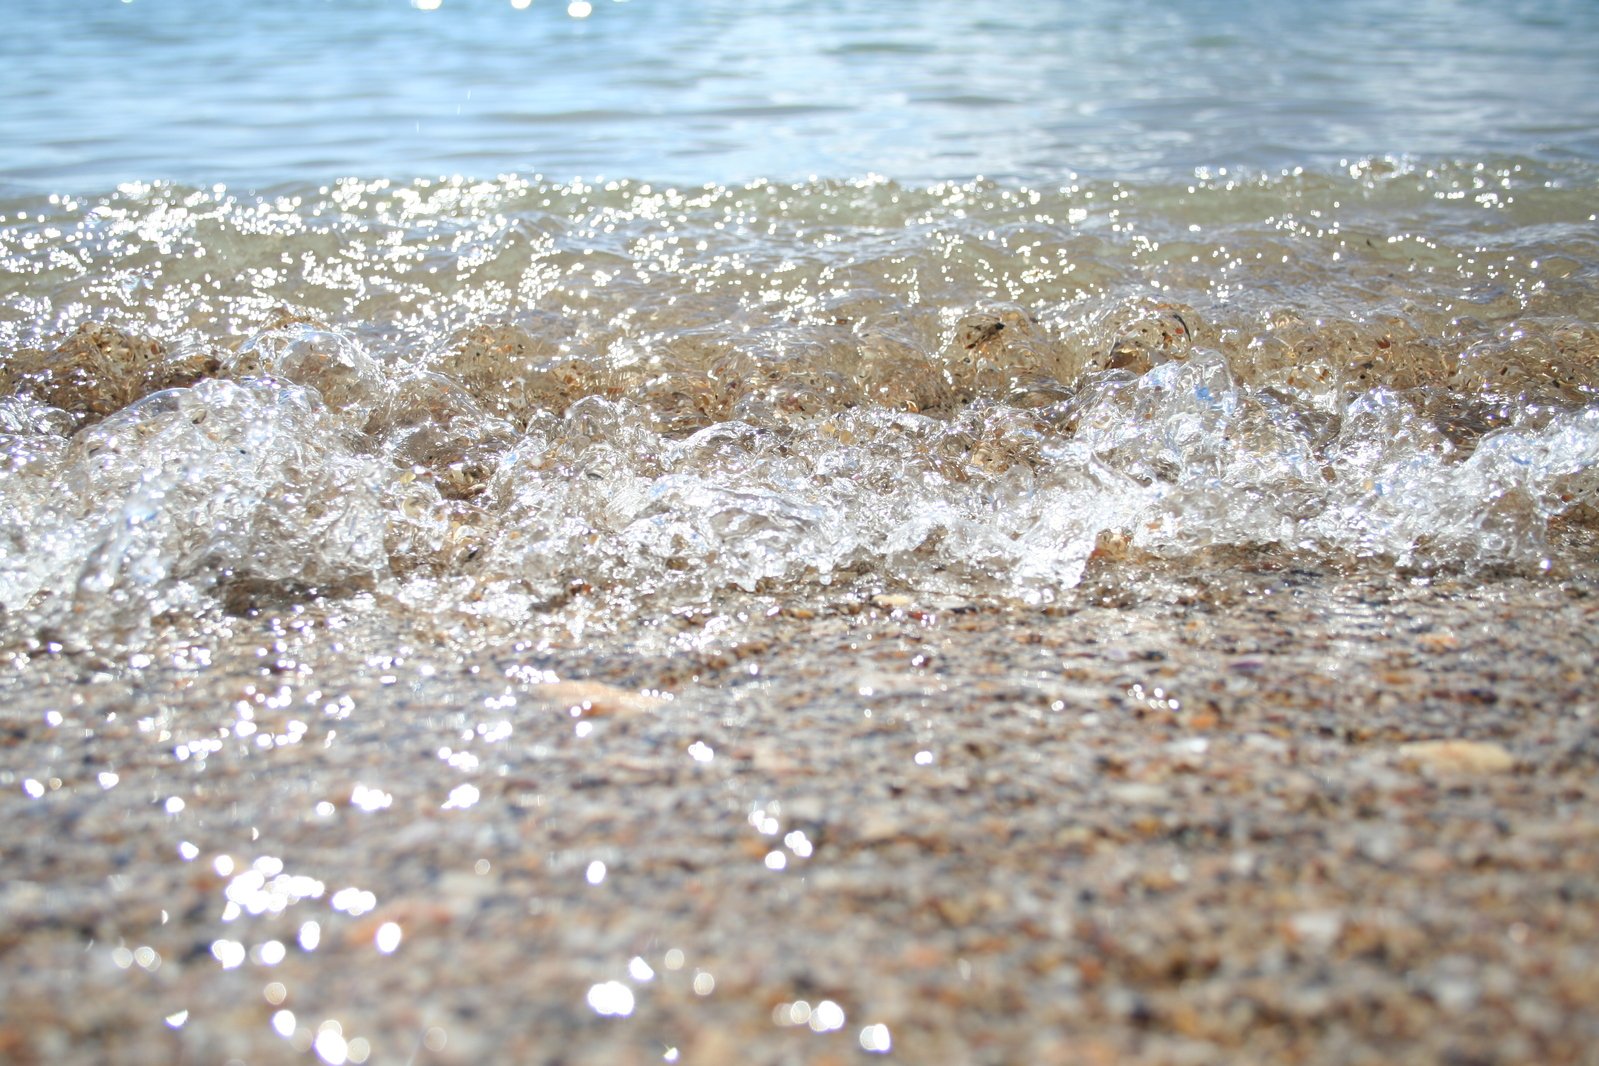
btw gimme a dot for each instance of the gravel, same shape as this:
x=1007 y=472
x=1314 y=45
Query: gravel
x=1230 y=810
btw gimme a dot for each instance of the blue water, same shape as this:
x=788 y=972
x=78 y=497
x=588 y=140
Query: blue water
x=259 y=93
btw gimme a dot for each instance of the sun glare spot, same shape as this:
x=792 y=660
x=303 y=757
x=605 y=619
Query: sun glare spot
x=612 y=999
x=876 y=1039
x=388 y=937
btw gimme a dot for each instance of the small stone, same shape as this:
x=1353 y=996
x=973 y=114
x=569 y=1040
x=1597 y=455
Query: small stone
x=408 y=914
x=713 y=1046
x=1430 y=861
x=1438 y=642
x=772 y=757
x=880 y=825
x=1138 y=794
x=1458 y=756
x=1317 y=930
x=595 y=699
x=460 y=893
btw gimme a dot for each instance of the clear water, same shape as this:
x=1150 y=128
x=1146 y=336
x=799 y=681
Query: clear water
x=267 y=91
x=1319 y=283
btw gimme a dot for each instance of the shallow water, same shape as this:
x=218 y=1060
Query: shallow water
x=1341 y=307
x=487 y=398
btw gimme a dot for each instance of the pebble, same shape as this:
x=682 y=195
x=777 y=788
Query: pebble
x=599 y=700
x=1458 y=756
x=1138 y=794
x=1055 y=881
x=1316 y=929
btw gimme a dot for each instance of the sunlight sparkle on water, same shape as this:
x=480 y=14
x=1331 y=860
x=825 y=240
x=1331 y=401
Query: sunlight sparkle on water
x=330 y=1044
x=461 y=797
x=354 y=901
x=388 y=937
x=369 y=799
x=611 y=999
x=268 y=954
x=876 y=1039
x=230 y=953
x=826 y=1017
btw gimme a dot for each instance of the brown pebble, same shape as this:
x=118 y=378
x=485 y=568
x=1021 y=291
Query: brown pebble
x=1458 y=756
x=598 y=700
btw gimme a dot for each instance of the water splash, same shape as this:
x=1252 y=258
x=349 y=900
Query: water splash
x=484 y=399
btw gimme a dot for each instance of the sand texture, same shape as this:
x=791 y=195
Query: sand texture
x=1236 y=812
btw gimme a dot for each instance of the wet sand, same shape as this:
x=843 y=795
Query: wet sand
x=1190 y=815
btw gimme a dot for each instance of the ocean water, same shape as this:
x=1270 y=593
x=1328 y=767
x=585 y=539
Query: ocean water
x=495 y=312
x=262 y=92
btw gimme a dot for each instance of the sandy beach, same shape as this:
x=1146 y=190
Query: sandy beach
x=1231 y=811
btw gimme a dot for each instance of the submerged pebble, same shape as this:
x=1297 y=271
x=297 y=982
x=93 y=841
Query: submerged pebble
x=1458 y=756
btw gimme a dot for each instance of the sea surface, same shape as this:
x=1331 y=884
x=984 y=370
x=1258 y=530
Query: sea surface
x=262 y=92
x=487 y=310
